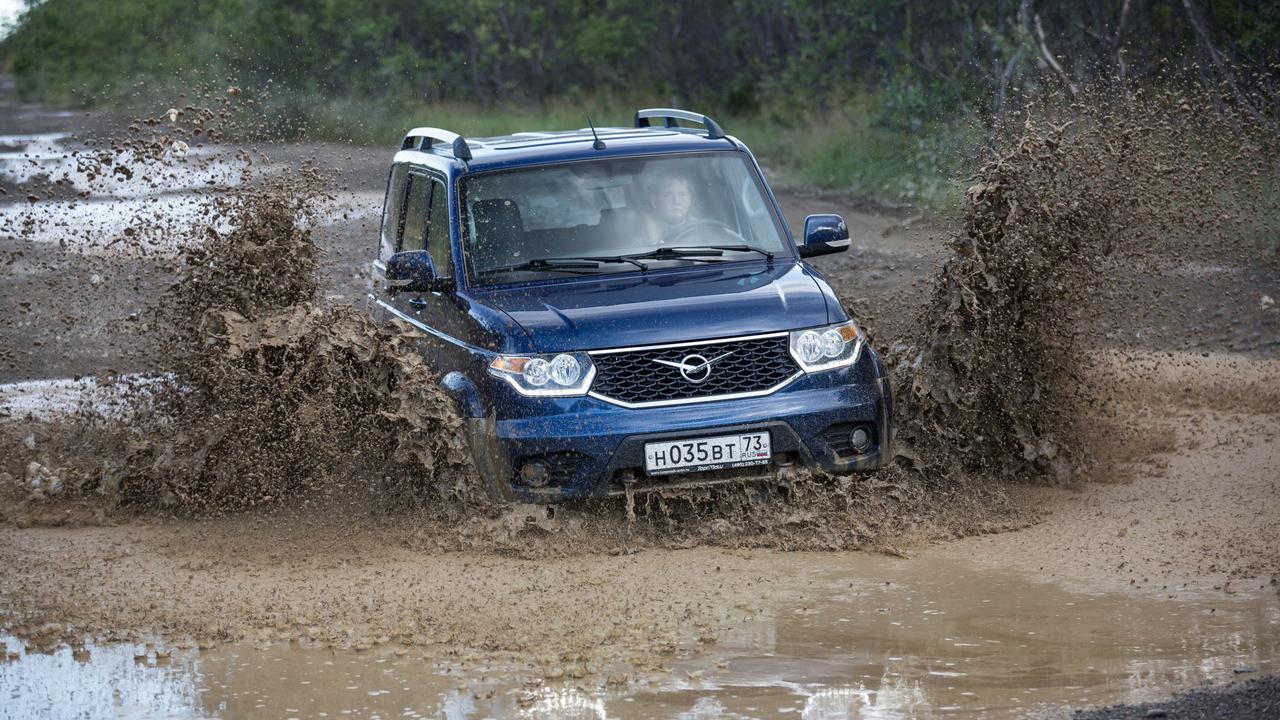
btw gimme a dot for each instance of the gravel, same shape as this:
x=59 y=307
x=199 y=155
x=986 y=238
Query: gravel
x=1257 y=699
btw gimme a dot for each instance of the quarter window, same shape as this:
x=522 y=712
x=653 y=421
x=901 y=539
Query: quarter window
x=393 y=215
x=438 y=230
x=416 y=217
x=416 y=204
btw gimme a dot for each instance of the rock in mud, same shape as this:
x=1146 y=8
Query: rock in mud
x=42 y=481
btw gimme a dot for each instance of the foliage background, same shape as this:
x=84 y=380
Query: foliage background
x=877 y=98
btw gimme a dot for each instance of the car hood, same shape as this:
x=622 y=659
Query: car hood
x=661 y=307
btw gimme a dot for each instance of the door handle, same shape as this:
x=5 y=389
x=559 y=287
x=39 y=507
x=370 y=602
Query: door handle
x=418 y=303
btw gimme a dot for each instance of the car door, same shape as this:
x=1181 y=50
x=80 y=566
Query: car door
x=406 y=224
x=425 y=226
x=418 y=216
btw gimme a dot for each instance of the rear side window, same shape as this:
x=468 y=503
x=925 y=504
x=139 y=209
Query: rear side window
x=416 y=217
x=416 y=203
x=392 y=212
x=438 y=230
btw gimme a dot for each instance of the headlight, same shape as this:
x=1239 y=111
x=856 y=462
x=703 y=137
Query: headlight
x=563 y=375
x=825 y=348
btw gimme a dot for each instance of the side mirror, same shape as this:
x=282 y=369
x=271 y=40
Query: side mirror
x=823 y=235
x=413 y=271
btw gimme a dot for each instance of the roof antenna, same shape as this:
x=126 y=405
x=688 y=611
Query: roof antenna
x=598 y=144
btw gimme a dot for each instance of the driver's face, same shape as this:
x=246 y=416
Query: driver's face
x=672 y=201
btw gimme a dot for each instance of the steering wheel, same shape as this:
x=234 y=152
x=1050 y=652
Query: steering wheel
x=701 y=224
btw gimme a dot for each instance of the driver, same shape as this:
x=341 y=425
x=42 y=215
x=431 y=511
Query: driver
x=671 y=196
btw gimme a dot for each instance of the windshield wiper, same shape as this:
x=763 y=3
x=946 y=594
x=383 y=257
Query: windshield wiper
x=551 y=264
x=695 y=249
x=705 y=253
x=633 y=259
x=567 y=264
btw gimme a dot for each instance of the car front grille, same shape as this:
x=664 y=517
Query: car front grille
x=754 y=365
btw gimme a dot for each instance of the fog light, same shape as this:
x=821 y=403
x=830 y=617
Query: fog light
x=860 y=439
x=534 y=474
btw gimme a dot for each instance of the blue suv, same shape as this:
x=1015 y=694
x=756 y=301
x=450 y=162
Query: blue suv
x=624 y=309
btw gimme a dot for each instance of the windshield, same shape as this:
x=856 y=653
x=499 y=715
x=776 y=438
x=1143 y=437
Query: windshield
x=617 y=215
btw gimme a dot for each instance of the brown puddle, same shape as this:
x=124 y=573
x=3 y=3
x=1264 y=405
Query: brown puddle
x=859 y=637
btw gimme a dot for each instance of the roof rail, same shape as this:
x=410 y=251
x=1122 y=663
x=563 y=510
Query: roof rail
x=670 y=115
x=423 y=138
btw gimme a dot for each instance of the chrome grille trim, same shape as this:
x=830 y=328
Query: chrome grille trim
x=625 y=385
x=713 y=341
x=691 y=401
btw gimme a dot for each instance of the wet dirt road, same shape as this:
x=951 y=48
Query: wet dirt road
x=844 y=636
x=1124 y=591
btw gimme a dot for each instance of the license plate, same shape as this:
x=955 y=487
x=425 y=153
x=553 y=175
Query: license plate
x=700 y=454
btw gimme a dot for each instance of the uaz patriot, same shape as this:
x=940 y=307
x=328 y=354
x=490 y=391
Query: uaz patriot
x=623 y=309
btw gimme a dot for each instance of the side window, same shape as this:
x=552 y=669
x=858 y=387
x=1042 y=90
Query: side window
x=438 y=230
x=417 y=202
x=392 y=217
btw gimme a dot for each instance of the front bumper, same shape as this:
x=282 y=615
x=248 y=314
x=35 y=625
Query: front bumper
x=594 y=448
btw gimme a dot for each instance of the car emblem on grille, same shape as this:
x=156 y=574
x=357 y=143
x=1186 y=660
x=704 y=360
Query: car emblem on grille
x=694 y=368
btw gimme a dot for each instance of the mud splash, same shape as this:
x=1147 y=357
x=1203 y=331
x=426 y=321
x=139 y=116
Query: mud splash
x=267 y=389
x=274 y=392
x=1000 y=378
x=277 y=391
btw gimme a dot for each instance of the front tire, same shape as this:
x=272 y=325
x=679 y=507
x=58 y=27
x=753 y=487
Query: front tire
x=490 y=461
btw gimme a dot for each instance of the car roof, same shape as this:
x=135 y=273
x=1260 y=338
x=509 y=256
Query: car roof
x=531 y=148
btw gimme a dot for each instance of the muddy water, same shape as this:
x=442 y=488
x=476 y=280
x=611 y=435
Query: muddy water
x=857 y=637
x=854 y=637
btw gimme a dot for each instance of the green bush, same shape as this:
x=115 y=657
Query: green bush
x=861 y=96
x=846 y=149
x=851 y=149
